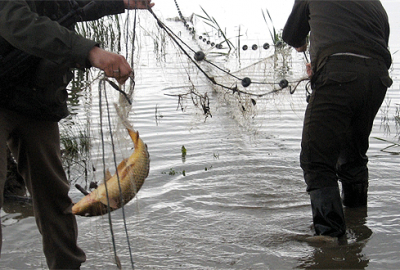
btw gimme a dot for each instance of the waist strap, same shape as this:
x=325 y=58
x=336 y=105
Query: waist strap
x=348 y=48
x=351 y=54
x=356 y=59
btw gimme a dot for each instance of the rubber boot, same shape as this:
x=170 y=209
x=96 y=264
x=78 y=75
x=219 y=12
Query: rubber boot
x=355 y=194
x=327 y=210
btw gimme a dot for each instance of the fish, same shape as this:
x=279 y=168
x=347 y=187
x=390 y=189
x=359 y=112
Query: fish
x=129 y=178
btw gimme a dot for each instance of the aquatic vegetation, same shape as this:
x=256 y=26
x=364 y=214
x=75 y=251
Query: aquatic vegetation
x=200 y=101
x=212 y=22
x=75 y=148
x=14 y=184
x=246 y=85
x=183 y=150
x=76 y=145
x=276 y=37
x=172 y=171
x=388 y=121
x=107 y=31
x=208 y=168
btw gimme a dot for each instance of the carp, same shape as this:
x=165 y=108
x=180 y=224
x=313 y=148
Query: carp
x=128 y=179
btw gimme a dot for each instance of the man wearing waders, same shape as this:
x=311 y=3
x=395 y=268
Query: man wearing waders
x=349 y=62
x=31 y=106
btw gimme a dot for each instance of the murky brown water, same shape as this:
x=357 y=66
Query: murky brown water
x=241 y=202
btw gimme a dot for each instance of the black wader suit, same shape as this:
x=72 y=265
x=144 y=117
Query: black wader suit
x=28 y=122
x=350 y=62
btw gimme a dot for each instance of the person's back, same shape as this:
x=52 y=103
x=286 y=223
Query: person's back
x=359 y=27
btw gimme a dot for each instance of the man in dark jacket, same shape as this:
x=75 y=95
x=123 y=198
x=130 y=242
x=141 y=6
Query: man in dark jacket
x=30 y=129
x=349 y=61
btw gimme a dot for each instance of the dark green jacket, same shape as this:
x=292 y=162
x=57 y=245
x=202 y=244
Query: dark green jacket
x=338 y=26
x=32 y=27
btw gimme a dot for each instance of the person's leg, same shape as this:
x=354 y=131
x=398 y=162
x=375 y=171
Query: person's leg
x=352 y=170
x=327 y=118
x=4 y=130
x=327 y=212
x=320 y=145
x=352 y=164
x=348 y=93
x=36 y=146
x=3 y=176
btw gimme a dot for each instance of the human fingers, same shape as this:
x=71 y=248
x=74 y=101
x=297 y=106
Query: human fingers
x=302 y=48
x=309 y=70
x=122 y=78
x=116 y=66
x=121 y=72
x=113 y=65
x=138 y=4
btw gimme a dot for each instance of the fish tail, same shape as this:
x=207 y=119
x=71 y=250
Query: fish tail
x=134 y=136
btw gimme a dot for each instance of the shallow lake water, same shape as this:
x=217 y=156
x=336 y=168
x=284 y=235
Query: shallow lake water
x=237 y=199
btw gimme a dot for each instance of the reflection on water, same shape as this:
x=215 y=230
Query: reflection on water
x=15 y=210
x=241 y=202
x=348 y=251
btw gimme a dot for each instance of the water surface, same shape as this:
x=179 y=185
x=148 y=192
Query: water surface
x=237 y=199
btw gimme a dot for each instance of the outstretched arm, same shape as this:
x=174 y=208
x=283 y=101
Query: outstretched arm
x=112 y=64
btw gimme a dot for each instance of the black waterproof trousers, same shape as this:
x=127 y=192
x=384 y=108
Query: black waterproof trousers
x=36 y=147
x=347 y=94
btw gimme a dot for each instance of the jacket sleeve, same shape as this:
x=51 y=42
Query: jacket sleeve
x=42 y=37
x=297 y=28
x=102 y=8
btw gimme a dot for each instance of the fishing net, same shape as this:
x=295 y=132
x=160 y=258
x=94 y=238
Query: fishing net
x=198 y=74
x=197 y=60
x=249 y=75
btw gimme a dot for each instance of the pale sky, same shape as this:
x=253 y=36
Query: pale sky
x=248 y=14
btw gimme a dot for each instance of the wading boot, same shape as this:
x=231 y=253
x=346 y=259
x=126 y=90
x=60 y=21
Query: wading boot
x=354 y=194
x=327 y=211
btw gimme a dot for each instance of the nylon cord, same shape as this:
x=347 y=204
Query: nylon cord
x=114 y=154
x=113 y=145
x=118 y=177
x=102 y=83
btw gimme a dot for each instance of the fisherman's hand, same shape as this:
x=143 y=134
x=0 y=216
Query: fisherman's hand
x=309 y=70
x=302 y=48
x=138 y=4
x=113 y=65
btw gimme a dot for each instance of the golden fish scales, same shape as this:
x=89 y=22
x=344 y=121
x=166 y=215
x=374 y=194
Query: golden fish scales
x=129 y=178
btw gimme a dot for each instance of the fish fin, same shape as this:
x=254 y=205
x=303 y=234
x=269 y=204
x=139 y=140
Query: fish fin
x=126 y=171
x=113 y=202
x=107 y=175
x=122 y=165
